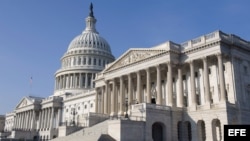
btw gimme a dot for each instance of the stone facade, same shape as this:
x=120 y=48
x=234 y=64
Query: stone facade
x=171 y=91
x=204 y=82
x=2 y=123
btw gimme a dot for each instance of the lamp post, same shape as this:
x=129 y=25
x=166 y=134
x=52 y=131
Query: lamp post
x=73 y=112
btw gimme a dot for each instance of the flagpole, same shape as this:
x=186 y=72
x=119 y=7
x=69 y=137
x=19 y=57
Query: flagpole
x=31 y=79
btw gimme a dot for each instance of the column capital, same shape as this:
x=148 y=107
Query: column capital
x=179 y=65
x=158 y=65
x=107 y=81
x=138 y=72
x=169 y=63
x=204 y=58
x=218 y=54
x=147 y=69
x=191 y=62
x=121 y=77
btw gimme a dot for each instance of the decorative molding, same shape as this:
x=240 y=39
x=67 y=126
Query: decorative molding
x=134 y=56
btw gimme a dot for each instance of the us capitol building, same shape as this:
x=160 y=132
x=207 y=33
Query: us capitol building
x=168 y=92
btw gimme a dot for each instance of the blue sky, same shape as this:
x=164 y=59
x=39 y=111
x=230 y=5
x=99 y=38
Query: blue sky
x=34 y=34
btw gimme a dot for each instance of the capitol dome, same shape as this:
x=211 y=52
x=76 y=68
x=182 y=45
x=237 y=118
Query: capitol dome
x=87 y=54
x=89 y=40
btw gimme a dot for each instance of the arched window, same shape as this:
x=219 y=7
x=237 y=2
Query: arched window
x=187 y=131
x=158 y=131
x=201 y=130
x=216 y=130
x=179 y=130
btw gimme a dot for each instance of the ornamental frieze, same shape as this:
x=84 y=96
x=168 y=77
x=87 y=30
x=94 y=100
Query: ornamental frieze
x=135 y=56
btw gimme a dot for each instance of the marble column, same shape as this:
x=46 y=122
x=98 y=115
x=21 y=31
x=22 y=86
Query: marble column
x=206 y=81
x=65 y=81
x=45 y=118
x=180 y=88
x=109 y=98
x=86 y=80
x=192 y=79
x=39 y=119
x=112 y=98
x=74 y=80
x=122 y=97
x=106 y=98
x=97 y=100
x=103 y=99
x=14 y=122
x=33 y=120
x=221 y=78
x=25 y=120
x=59 y=117
x=148 y=85
x=20 y=121
x=130 y=93
x=159 y=94
x=42 y=119
x=28 y=119
x=92 y=78
x=52 y=118
x=48 y=118
x=138 y=94
x=170 y=84
x=80 y=80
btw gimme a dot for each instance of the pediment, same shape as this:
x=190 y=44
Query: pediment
x=24 y=102
x=133 y=56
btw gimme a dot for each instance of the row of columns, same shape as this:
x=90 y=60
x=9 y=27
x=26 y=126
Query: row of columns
x=25 y=120
x=75 y=80
x=84 y=61
x=46 y=118
x=109 y=101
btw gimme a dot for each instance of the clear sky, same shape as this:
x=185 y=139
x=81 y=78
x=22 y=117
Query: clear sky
x=34 y=34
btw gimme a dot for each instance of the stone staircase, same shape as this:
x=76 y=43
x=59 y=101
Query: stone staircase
x=98 y=132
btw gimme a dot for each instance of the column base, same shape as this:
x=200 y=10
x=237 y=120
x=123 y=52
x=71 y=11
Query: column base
x=113 y=114
x=121 y=113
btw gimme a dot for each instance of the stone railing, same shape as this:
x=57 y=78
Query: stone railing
x=52 y=98
x=84 y=92
x=201 y=40
x=149 y=106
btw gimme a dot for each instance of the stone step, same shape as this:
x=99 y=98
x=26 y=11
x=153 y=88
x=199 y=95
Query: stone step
x=96 y=132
